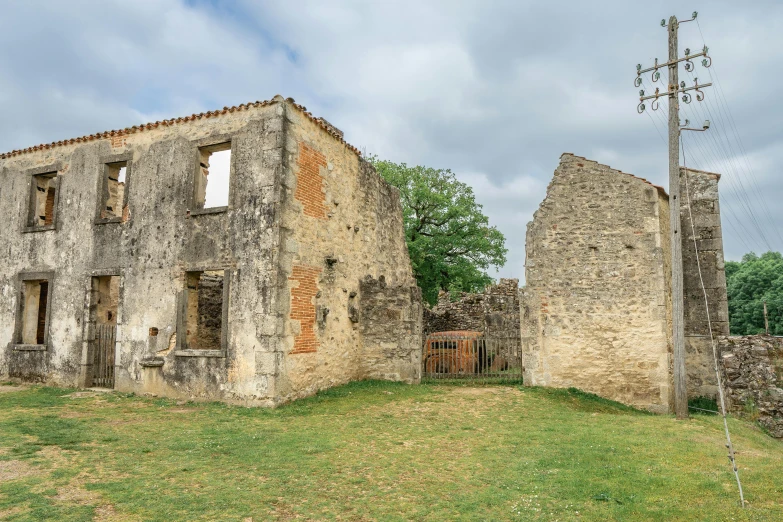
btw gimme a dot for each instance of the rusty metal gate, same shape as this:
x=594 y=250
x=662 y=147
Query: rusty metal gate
x=471 y=356
x=103 y=356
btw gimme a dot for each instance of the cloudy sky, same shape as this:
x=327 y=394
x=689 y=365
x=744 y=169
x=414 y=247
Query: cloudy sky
x=496 y=91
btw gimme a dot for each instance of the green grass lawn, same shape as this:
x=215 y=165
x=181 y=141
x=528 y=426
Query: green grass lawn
x=375 y=451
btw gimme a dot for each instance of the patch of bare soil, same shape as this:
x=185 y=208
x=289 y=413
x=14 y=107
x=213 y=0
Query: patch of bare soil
x=15 y=469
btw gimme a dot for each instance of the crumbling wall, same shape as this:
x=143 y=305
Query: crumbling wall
x=594 y=309
x=494 y=311
x=702 y=187
x=390 y=322
x=342 y=227
x=752 y=373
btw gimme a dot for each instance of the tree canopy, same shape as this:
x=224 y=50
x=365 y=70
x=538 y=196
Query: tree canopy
x=750 y=282
x=450 y=241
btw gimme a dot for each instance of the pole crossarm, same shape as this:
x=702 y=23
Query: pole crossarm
x=671 y=93
x=681 y=89
x=640 y=71
x=706 y=62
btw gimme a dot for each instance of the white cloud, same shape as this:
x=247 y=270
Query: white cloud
x=496 y=91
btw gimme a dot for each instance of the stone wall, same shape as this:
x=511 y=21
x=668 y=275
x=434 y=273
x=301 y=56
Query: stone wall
x=595 y=306
x=345 y=229
x=752 y=373
x=494 y=311
x=342 y=224
x=704 y=207
x=390 y=321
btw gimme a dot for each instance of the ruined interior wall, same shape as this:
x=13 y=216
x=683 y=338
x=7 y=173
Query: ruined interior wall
x=752 y=373
x=341 y=225
x=151 y=251
x=594 y=300
x=495 y=312
x=705 y=209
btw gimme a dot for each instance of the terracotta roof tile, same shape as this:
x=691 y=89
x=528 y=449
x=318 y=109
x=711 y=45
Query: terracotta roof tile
x=179 y=120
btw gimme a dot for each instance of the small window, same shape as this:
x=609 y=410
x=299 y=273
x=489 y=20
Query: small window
x=212 y=176
x=204 y=310
x=113 y=202
x=43 y=200
x=35 y=298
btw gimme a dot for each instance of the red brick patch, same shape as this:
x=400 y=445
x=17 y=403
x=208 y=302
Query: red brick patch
x=303 y=307
x=309 y=184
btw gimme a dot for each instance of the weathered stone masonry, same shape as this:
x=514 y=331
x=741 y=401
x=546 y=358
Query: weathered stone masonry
x=278 y=282
x=596 y=311
x=752 y=374
x=594 y=307
x=494 y=312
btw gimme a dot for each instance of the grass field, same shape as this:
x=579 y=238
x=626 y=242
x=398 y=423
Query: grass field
x=374 y=451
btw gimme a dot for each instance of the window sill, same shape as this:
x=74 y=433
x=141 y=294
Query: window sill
x=200 y=353
x=152 y=362
x=30 y=347
x=42 y=228
x=202 y=211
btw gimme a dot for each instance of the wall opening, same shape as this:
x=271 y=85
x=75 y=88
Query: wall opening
x=212 y=176
x=43 y=199
x=35 y=298
x=204 y=312
x=104 y=307
x=114 y=189
x=105 y=299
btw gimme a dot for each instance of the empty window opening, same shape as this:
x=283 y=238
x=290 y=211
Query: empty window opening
x=212 y=178
x=204 y=316
x=105 y=299
x=35 y=297
x=43 y=200
x=114 y=190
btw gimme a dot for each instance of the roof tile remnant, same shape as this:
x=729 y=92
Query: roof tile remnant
x=176 y=121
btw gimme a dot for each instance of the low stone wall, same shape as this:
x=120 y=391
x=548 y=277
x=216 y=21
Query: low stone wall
x=752 y=371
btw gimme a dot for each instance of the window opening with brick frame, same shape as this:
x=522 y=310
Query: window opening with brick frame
x=43 y=199
x=35 y=297
x=213 y=176
x=114 y=190
x=204 y=312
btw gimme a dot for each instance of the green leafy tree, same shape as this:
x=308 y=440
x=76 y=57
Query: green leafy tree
x=450 y=241
x=750 y=282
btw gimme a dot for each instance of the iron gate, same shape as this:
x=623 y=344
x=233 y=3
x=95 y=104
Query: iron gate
x=472 y=356
x=103 y=356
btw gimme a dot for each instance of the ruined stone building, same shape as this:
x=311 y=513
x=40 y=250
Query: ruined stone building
x=123 y=265
x=596 y=309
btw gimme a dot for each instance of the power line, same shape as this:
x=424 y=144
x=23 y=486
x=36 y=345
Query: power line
x=729 y=445
x=745 y=156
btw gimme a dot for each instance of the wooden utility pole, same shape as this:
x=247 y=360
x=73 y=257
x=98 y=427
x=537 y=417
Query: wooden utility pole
x=673 y=91
x=766 y=320
x=678 y=317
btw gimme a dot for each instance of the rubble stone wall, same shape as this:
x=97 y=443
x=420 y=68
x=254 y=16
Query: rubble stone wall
x=595 y=305
x=494 y=311
x=752 y=373
x=343 y=224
